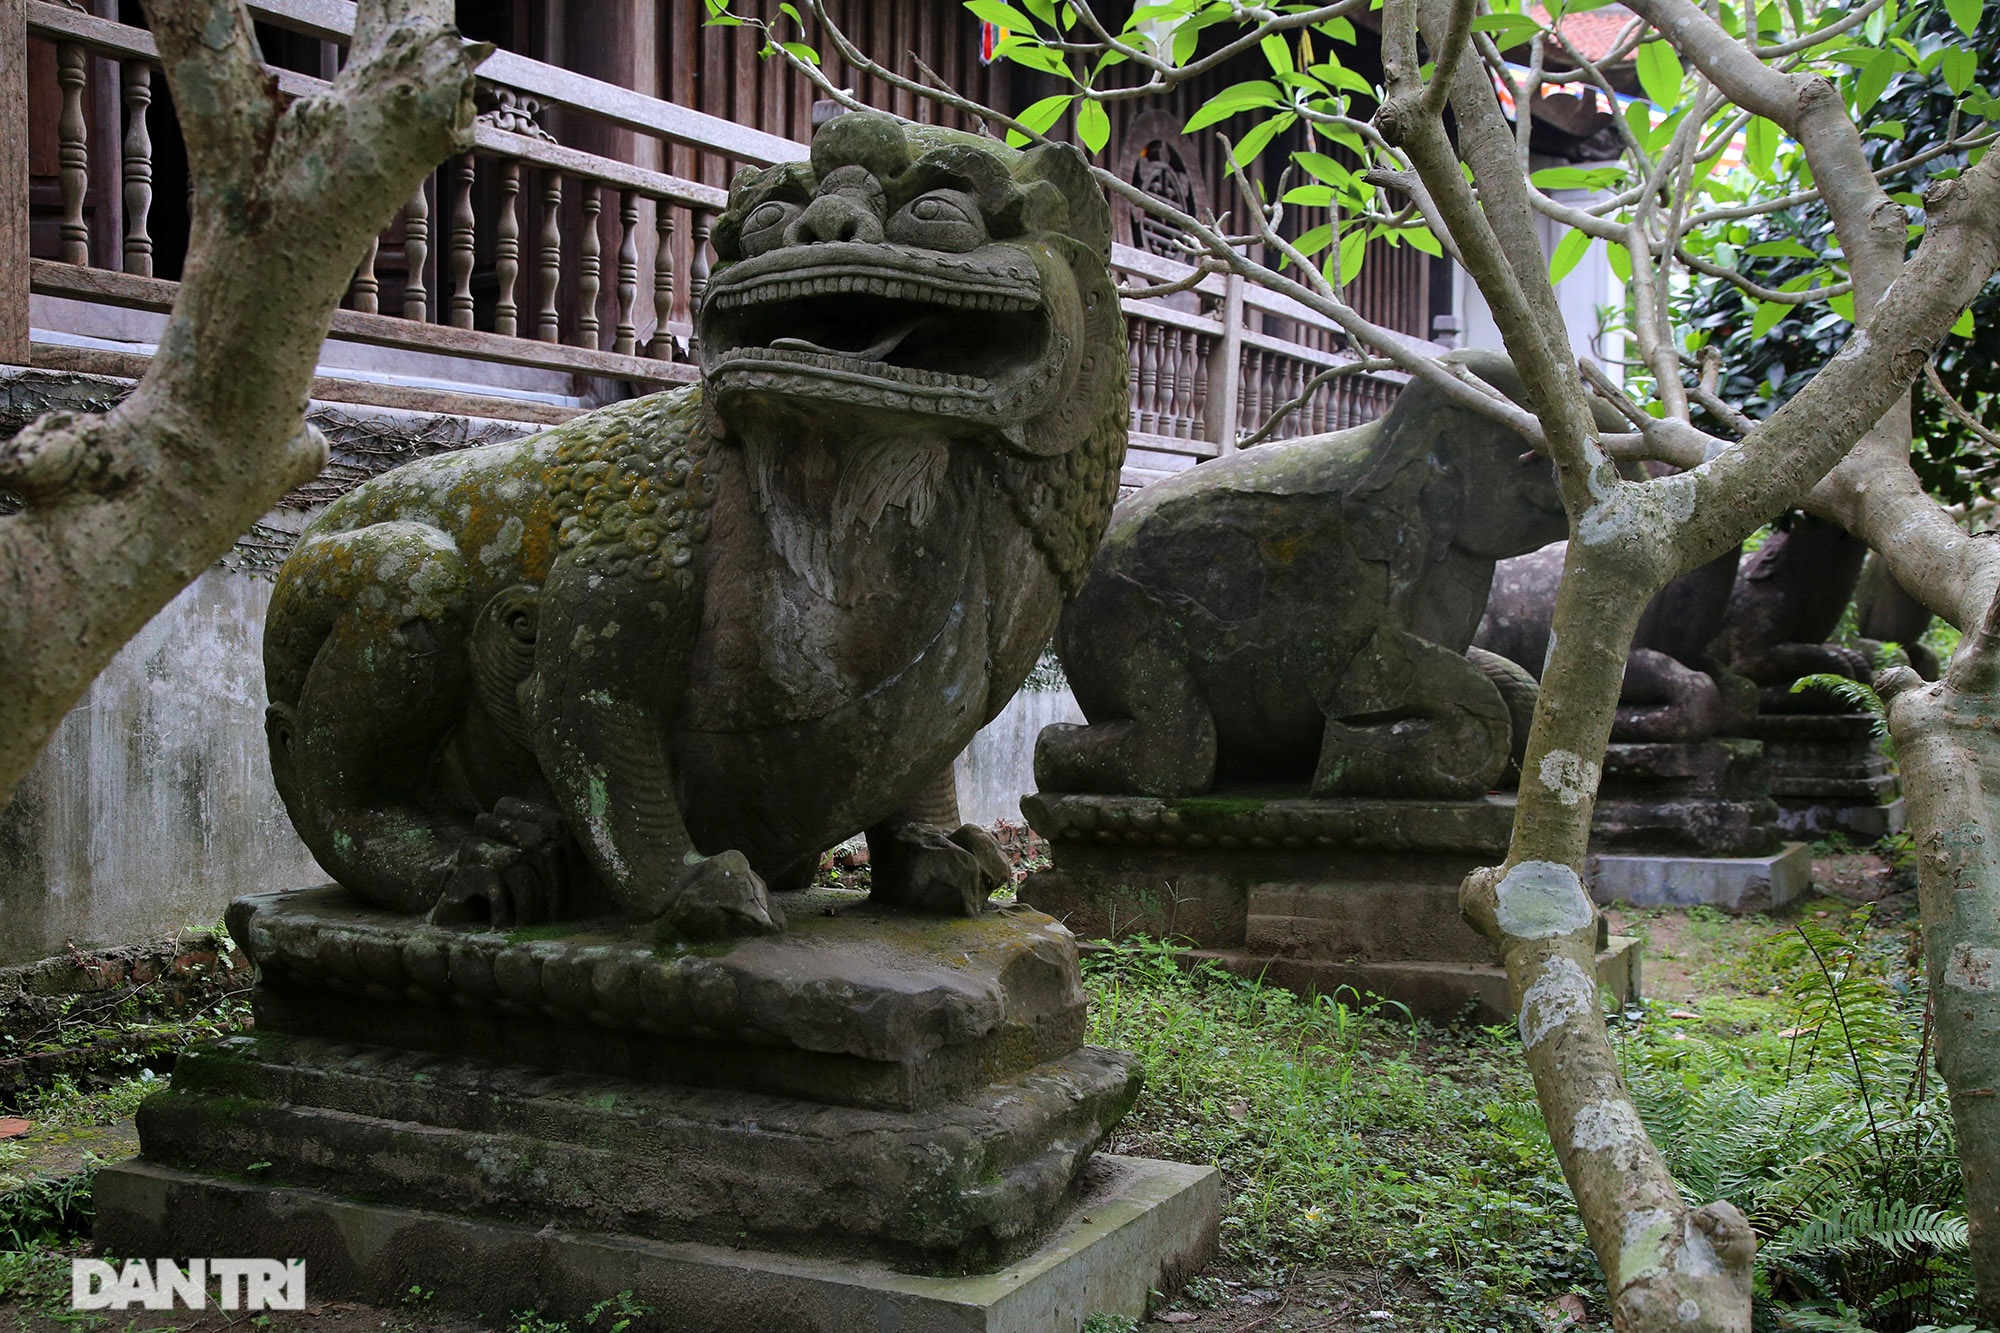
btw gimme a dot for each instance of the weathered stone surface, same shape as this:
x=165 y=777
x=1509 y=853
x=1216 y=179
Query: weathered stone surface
x=1365 y=894
x=855 y=1003
x=1828 y=774
x=964 y=1184
x=1733 y=884
x=653 y=662
x=1137 y=1226
x=1786 y=604
x=1675 y=689
x=1709 y=798
x=1299 y=613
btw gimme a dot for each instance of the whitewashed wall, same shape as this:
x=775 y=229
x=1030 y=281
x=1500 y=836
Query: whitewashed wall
x=998 y=766
x=153 y=805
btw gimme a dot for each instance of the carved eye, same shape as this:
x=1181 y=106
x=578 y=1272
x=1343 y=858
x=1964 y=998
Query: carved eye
x=947 y=220
x=764 y=228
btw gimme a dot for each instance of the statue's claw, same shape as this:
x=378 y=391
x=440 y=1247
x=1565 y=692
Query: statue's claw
x=508 y=871
x=721 y=898
x=923 y=869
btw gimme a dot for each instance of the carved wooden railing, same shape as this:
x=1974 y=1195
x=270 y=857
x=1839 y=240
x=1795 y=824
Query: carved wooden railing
x=531 y=253
x=1207 y=373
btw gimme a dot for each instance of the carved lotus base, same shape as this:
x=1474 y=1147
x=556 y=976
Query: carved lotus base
x=1686 y=798
x=1828 y=774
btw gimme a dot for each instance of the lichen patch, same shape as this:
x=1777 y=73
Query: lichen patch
x=1568 y=775
x=1539 y=900
x=1560 y=993
x=1613 y=1127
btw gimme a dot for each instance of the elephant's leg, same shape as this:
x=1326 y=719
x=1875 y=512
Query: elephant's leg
x=611 y=660
x=914 y=863
x=1665 y=701
x=367 y=672
x=1164 y=744
x=1412 y=719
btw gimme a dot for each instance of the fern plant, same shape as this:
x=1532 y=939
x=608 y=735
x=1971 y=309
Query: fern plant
x=1840 y=1150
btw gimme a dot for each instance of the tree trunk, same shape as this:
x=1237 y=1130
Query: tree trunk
x=1948 y=738
x=124 y=509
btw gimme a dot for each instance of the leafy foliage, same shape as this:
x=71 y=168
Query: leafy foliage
x=1930 y=80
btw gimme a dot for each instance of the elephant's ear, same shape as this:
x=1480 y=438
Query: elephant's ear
x=1062 y=166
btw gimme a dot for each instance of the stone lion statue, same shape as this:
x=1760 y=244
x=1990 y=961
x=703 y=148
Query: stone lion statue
x=651 y=663
x=1299 y=614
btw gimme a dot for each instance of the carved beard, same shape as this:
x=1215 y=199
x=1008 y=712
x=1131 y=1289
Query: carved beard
x=811 y=497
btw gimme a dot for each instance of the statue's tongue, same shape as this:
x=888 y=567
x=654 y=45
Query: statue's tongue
x=890 y=339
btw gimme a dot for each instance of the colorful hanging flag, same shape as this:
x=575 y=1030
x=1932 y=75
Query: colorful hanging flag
x=990 y=37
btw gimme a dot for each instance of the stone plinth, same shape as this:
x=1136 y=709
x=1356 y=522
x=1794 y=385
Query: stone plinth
x=1732 y=883
x=868 y=1088
x=1686 y=798
x=1136 y=1225
x=1828 y=775
x=1313 y=895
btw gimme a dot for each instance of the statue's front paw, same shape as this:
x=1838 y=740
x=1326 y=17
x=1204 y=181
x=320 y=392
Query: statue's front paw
x=508 y=871
x=924 y=869
x=721 y=898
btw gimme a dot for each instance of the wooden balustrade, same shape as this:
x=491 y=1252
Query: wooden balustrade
x=448 y=275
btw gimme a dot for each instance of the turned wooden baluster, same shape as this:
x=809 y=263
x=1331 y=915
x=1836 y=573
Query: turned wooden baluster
x=1164 y=394
x=417 y=250
x=367 y=287
x=463 y=231
x=1253 y=389
x=548 y=319
x=73 y=153
x=136 y=78
x=662 y=346
x=698 y=267
x=625 y=339
x=1135 y=347
x=589 y=246
x=507 y=249
x=1149 y=380
x=1198 y=387
x=1183 y=383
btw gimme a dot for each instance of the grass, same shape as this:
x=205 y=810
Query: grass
x=1352 y=1139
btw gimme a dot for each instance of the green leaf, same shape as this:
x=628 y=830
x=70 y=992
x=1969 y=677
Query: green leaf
x=1569 y=253
x=802 y=51
x=1784 y=249
x=1965 y=13
x=1253 y=143
x=719 y=15
x=1874 y=78
x=1561 y=178
x=1620 y=260
x=1310 y=196
x=791 y=12
x=1639 y=119
x=1842 y=306
x=1958 y=65
x=1093 y=126
x=1339 y=29
x=1236 y=98
x=1420 y=238
x=1507 y=29
x=1317 y=239
x=1353 y=249
x=1768 y=314
x=1040 y=115
x=1322 y=167
x=1760 y=146
x=1003 y=14
x=1277 y=53
x=1660 y=74
x=1963 y=327
x=1028 y=52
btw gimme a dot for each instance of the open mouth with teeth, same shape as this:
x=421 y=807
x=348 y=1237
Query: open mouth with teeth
x=962 y=336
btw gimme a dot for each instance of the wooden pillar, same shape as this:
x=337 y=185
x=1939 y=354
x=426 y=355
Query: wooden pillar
x=1225 y=368
x=14 y=182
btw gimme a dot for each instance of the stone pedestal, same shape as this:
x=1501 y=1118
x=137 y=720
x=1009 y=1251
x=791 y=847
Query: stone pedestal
x=1313 y=895
x=1731 y=883
x=1686 y=798
x=867 y=1089
x=1828 y=774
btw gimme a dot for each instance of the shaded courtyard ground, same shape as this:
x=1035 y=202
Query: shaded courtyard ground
x=1384 y=1174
